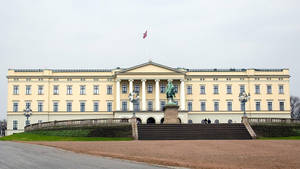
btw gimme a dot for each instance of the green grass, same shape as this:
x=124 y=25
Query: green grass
x=280 y=138
x=38 y=137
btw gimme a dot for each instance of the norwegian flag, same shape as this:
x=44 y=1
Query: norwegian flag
x=145 y=35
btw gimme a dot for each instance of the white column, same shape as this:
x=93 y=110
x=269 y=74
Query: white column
x=118 y=95
x=143 y=95
x=130 y=90
x=157 y=106
x=182 y=95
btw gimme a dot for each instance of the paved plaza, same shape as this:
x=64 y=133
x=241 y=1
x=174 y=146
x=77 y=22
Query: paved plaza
x=28 y=156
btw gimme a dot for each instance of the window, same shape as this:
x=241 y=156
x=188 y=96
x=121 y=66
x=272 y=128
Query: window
x=28 y=79
x=229 y=90
x=69 y=79
x=162 y=104
x=189 y=89
x=281 y=106
x=202 y=89
x=69 y=90
x=216 y=89
x=82 y=106
x=229 y=106
x=109 y=89
x=269 y=89
x=40 y=106
x=203 y=106
x=40 y=89
x=190 y=106
x=109 y=106
x=136 y=106
x=270 y=107
x=16 y=90
x=40 y=121
x=257 y=106
x=82 y=89
x=124 y=106
x=162 y=88
x=176 y=88
x=124 y=88
x=28 y=89
x=150 y=106
x=28 y=105
x=96 y=89
x=82 y=79
x=150 y=88
x=96 y=106
x=242 y=88
x=281 y=89
x=257 y=89
x=15 y=124
x=15 y=107
x=55 y=107
x=69 y=107
x=243 y=106
x=55 y=89
x=216 y=106
x=136 y=88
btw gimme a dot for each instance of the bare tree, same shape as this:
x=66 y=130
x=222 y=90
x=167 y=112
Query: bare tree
x=295 y=107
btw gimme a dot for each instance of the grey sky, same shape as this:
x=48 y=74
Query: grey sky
x=107 y=34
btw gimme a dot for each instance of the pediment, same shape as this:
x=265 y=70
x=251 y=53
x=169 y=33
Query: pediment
x=151 y=67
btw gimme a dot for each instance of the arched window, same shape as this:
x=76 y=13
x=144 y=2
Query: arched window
x=190 y=121
x=139 y=121
x=162 y=120
x=150 y=120
x=229 y=121
x=217 y=121
x=179 y=120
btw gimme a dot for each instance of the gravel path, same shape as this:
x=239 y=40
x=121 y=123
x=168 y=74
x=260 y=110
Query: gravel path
x=198 y=153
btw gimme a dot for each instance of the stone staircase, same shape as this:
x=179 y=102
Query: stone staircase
x=192 y=131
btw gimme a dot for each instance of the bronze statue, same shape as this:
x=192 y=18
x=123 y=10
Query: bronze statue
x=170 y=92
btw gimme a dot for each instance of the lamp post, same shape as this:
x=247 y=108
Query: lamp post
x=27 y=114
x=133 y=98
x=244 y=97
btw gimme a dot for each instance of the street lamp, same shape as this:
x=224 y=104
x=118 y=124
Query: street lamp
x=244 y=97
x=133 y=98
x=27 y=114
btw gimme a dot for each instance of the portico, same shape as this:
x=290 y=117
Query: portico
x=151 y=93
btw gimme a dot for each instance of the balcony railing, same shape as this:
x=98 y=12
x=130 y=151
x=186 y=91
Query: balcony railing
x=78 y=123
x=272 y=120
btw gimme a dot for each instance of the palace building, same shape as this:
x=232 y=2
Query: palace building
x=64 y=94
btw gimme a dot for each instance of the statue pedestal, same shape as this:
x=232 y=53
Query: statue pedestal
x=171 y=114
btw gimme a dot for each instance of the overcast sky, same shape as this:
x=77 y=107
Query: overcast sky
x=108 y=34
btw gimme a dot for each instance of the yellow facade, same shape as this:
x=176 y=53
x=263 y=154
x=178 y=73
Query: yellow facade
x=189 y=96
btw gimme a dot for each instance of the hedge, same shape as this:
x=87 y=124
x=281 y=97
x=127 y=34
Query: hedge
x=93 y=131
x=276 y=130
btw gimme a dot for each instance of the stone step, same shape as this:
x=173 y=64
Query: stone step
x=192 y=131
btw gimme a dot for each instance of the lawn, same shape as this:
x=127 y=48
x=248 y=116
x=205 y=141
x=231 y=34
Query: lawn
x=280 y=138
x=38 y=137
